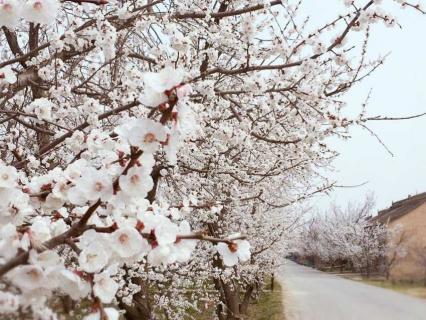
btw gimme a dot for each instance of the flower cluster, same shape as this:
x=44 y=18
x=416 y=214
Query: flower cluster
x=136 y=136
x=36 y=11
x=105 y=195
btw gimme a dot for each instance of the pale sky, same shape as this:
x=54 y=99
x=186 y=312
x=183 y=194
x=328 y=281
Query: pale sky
x=398 y=89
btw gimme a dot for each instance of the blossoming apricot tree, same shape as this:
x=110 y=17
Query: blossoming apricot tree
x=143 y=143
x=346 y=238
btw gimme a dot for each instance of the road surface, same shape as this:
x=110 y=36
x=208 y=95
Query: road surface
x=315 y=295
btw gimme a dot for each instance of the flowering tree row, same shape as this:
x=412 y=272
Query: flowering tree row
x=144 y=143
x=350 y=239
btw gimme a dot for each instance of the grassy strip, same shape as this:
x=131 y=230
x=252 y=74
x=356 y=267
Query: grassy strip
x=412 y=289
x=269 y=306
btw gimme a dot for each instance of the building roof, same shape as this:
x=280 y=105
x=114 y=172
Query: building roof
x=400 y=208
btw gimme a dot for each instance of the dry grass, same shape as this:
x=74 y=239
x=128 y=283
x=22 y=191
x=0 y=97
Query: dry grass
x=412 y=289
x=269 y=306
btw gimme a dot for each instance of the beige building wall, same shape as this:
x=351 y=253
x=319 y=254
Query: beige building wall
x=413 y=265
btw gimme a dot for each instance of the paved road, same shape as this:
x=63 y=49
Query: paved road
x=314 y=295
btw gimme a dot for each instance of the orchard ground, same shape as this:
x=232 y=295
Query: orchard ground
x=415 y=289
x=268 y=306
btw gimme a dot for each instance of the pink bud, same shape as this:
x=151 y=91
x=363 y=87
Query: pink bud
x=7 y=7
x=37 y=5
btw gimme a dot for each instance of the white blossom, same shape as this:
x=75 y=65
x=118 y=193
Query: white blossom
x=72 y=284
x=40 y=230
x=29 y=277
x=93 y=258
x=92 y=185
x=10 y=12
x=127 y=242
x=9 y=302
x=43 y=109
x=160 y=255
x=143 y=133
x=40 y=11
x=104 y=287
x=111 y=313
x=166 y=232
x=184 y=248
x=45 y=259
x=9 y=241
x=7 y=74
x=164 y=80
x=238 y=250
x=8 y=176
x=137 y=182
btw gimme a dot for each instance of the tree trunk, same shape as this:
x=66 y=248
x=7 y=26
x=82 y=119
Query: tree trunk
x=246 y=300
x=229 y=292
x=368 y=268
x=229 y=296
x=232 y=302
x=424 y=278
x=141 y=308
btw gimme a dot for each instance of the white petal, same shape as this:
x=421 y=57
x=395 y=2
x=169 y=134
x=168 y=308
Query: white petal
x=230 y=259
x=243 y=250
